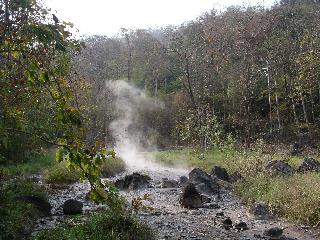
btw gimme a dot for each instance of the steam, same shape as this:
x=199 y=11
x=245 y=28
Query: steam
x=129 y=102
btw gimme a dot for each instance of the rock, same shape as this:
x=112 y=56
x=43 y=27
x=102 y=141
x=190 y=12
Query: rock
x=219 y=214
x=296 y=149
x=235 y=176
x=183 y=181
x=41 y=205
x=133 y=181
x=227 y=223
x=260 y=210
x=198 y=176
x=309 y=165
x=208 y=188
x=204 y=182
x=72 y=206
x=166 y=183
x=211 y=205
x=205 y=199
x=221 y=173
x=273 y=233
x=278 y=168
x=241 y=226
x=190 y=197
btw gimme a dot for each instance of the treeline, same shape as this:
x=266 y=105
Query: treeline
x=253 y=70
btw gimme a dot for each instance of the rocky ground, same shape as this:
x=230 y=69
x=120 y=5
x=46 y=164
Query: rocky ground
x=160 y=208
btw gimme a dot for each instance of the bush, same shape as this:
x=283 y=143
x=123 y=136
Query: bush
x=34 y=164
x=17 y=217
x=60 y=174
x=102 y=226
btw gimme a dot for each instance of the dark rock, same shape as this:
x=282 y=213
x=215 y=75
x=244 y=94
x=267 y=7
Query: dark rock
x=235 y=176
x=205 y=184
x=211 y=205
x=241 y=226
x=205 y=199
x=190 y=197
x=260 y=210
x=278 y=168
x=208 y=188
x=198 y=176
x=296 y=149
x=133 y=181
x=72 y=206
x=221 y=173
x=309 y=165
x=220 y=214
x=183 y=181
x=166 y=183
x=41 y=205
x=273 y=233
x=227 y=223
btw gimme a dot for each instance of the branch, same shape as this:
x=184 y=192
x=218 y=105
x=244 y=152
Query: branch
x=40 y=137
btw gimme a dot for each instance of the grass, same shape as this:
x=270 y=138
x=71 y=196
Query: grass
x=35 y=164
x=101 y=226
x=296 y=198
x=17 y=216
x=112 y=167
x=60 y=174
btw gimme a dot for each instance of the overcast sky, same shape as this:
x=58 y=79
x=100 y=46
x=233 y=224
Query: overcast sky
x=106 y=17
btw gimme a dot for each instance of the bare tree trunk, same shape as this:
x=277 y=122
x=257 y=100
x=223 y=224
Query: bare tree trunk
x=305 y=115
x=277 y=106
x=294 y=111
x=312 y=107
x=269 y=97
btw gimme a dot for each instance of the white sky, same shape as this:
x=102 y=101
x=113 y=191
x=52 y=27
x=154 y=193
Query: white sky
x=106 y=17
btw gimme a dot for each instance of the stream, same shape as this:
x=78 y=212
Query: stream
x=161 y=210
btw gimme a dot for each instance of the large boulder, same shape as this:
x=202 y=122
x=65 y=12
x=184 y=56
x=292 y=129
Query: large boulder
x=203 y=182
x=208 y=188
x=309 y=165
x=42 y=206
x=72 y=206
x=221 y=173
x=190 y=197
x=133 y=181
x=278 y=168
x=166 y=183
x=197 y=176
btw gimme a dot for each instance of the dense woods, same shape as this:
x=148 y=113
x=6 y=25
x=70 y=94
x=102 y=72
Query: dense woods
x=251 y=72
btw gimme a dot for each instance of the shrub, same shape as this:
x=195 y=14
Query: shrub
x=296 y=198
x=102 y=226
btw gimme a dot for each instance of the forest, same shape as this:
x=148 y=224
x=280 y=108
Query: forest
x=237 y=89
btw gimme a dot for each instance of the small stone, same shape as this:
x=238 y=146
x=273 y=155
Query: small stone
x=227 y=223
x=219 y=214
x=241 y=226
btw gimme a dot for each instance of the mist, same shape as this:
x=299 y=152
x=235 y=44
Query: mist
x=130 y=142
